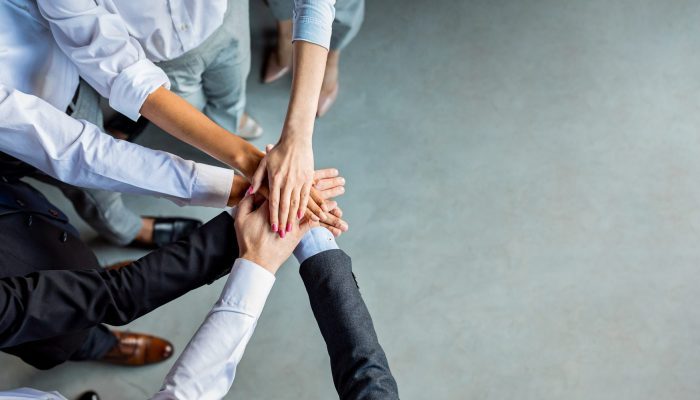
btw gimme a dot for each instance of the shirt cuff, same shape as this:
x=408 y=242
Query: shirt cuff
x=246 y=289
x=315 y=241
x=212 y=186
x=313 y=31
x=133 y=85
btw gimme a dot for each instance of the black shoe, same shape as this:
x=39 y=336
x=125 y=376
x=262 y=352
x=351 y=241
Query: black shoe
x=90 y=395
x=171 y=229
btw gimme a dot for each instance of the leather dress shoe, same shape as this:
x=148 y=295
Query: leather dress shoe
x=171 y=229
x=89 y=395
x=136 y=349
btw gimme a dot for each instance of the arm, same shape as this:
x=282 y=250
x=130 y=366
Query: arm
x=84 y=298
x=358 y=363
x=99 y=44
x=289 y=166
x=207 y=367
x=78 y=153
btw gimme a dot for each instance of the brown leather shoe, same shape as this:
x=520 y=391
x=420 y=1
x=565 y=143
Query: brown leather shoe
x=138 y=349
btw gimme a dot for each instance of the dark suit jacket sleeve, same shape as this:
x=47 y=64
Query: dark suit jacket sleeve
x=49 y=303
x=360 y=368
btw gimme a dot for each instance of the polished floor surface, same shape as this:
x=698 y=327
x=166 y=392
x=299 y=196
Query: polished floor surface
x=523 y=194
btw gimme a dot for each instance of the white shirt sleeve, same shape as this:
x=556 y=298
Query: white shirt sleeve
x=109 y=59
x=77 y=152
x=313 y=21
x=207 y=367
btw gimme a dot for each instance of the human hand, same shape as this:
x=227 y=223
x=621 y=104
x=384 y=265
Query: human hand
x=255 y=240
x=288 y=168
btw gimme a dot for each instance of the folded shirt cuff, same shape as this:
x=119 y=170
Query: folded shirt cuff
x=315 y=241
x=313 y=31
x=212 y=186
x=246 y=289
x=133 y=85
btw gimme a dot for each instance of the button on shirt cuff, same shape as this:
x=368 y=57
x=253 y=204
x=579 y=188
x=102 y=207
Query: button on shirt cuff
x=315 y=241
x=133 y=85
x=246 y=289
x=212 y=186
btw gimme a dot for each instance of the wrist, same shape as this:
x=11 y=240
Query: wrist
x=294 y=135
x=257 y=259
x=247 y=161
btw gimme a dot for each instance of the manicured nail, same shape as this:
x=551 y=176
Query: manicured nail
x=289 y=226
x=250 y=191
x=299 y=214
x=274 y=227
x=282 y=233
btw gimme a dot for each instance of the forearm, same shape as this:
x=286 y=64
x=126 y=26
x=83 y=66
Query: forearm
x=207 y=367
x=84 y=298
x=78 y=153
x=309 y=67
x=359 y=367
x=177 y=117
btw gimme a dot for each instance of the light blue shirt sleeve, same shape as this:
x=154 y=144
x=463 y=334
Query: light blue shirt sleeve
x=313 y=21
x=315 y=241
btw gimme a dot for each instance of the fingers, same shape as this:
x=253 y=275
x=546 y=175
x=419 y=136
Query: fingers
x=325 y=174
x=293 y=208
x=316 y=197
x=273 y=205
x=332 y=192
x=245 y=207
x=337 y=212
x=335 y=231
x=268 y=148
x=304 y=201
x=329 y=183
x=258 y=176
x=283 y=213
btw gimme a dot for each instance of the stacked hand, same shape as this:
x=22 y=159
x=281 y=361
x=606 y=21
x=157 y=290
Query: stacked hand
x=257 y=243
x=325 y=185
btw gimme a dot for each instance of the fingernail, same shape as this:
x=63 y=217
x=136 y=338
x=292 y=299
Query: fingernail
x=274 y=227
x=250 y=190
x=299 y=214
x=289 y=226
x=282 y=233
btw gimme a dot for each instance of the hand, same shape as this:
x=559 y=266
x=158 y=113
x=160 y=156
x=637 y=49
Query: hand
x=256 y=242
x=289 y=168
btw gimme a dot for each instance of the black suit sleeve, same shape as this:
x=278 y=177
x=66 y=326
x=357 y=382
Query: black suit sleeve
x=360 y=368
x=54 y=302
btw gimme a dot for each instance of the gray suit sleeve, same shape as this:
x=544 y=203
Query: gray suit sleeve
x=358 y=363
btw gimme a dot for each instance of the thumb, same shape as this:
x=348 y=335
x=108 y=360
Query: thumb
x=245 y=206
x=259 y=175
x=268 y=148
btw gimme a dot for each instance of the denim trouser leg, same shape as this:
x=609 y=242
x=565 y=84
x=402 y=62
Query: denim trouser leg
x=349 y=15
x=104 y=211
x=212 y=76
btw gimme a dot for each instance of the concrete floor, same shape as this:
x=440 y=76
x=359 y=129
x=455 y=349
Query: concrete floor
x=523 y=197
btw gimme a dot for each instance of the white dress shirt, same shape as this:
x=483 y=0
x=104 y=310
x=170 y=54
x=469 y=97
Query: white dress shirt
x=112 y=41
x=38 y=132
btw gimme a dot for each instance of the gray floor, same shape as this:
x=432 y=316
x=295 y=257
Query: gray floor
x=523 y=190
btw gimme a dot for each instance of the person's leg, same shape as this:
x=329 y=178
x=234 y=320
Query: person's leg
x=279 y=61
x=226 y=73
x=349 y=15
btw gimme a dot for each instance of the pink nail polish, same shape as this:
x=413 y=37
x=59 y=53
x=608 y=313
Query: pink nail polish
x=289 y=226
x=250 y=190
x=282 y=233
x=274 y=227
x=299 y=214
